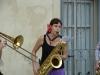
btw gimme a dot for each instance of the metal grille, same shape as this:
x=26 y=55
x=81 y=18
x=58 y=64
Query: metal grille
x=77 y=17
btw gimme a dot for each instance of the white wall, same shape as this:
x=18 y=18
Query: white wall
x=28 y=18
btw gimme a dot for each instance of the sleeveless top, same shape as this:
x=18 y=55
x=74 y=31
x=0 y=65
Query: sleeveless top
x=46 y=49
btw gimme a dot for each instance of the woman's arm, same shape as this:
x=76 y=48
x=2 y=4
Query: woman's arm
x=65 y=52
x=35 y=49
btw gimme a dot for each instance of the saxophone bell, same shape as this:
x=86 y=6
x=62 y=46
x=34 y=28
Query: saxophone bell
x=56 y=61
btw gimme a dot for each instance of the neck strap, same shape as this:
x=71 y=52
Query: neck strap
x=53 y=38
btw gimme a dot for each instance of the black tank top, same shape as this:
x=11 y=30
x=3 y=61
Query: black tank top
x=46 y=49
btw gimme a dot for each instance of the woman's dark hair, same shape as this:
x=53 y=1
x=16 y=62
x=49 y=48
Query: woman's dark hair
x=55 y=21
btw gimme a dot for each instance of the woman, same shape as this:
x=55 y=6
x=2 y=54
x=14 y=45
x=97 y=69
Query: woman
x=48 y=41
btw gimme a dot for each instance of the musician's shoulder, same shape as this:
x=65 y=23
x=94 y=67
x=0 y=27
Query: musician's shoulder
x=41 y=37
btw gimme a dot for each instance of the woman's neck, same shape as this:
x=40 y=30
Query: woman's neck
x=53 y=35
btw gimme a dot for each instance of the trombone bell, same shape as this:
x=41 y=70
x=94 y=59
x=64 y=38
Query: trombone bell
x=17 y=41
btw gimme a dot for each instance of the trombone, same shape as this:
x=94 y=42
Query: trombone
x=17 y=43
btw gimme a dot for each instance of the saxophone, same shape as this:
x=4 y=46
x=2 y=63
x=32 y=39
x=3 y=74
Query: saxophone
x=53 y=60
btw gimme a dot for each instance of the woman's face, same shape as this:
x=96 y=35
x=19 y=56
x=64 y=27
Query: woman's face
x=56 y=28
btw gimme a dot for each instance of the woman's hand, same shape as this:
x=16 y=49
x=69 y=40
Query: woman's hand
x=2 y=44
x=63 y=52
x=36 y=67
x=98 y=65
